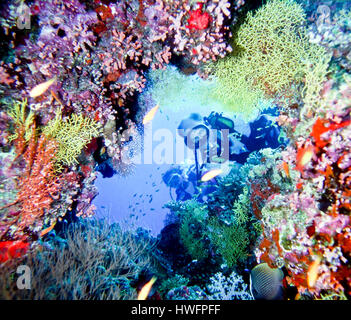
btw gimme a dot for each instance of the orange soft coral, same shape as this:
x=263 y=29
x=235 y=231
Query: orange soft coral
x=321 y=126
x=38 y=188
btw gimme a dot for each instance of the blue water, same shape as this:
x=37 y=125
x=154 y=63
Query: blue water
x=139 y=198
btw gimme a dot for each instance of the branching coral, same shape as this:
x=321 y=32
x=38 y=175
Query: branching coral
x=60 y=48
x=37 y=189
x=206 y=41
x=191 y=231
x=23 y=122
x=72 y=135
x=228 y=288
x=271 y=51
x=231 y=242
x=39 y=194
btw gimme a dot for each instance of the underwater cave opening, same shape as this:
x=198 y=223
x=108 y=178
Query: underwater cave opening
x=159 y=165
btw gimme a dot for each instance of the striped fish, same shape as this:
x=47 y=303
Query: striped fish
x=266 y=283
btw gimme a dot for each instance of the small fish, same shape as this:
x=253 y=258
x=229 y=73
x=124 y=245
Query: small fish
x=152 y=209
x=299 y=185
x=210 y=175
x=134 y=195
x=47 y=230
x=150 y=115
x=150 y=200
x=39 y=89
x=286 y=169
x=154 y=184
x=157 y=190
x=312 y=273
x=217 y=159
x=56 y=97
x=145 y=290
x=304 y=156
x=261 y=136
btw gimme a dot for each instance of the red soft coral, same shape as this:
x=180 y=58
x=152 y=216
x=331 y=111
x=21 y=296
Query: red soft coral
x=198 y=20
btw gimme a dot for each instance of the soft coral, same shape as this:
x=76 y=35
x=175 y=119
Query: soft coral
x=198 y=20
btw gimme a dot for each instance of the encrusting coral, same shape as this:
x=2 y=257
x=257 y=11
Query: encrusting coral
x=311 y=224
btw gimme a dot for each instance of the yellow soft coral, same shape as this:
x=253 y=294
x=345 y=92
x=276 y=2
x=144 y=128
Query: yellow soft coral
x=72 y=134
x=22 y=119
x=271 y=53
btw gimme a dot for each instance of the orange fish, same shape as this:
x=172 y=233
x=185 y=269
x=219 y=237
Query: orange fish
x=286 y=169
x=56 y=97
x=47 y=230
x=210 y=175
x=304 y=156
x=150 y=115
x=312 y=273
x=39 y=89
x=145 y=290
x=299 y=185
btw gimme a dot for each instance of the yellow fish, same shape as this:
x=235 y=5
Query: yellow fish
x=144 y=292
x=39 y=89
x=150 y=115
x=211 y=174
x=304 y=156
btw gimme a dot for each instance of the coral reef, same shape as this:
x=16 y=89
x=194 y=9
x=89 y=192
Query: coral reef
x=90 y=260
x=332 y=31
x=97 y=67
x=312 y=222
x=43 y=191
x=186 y=293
